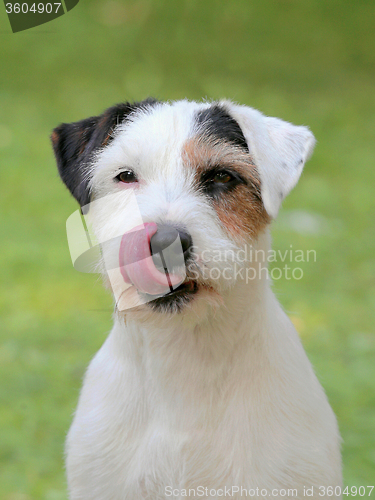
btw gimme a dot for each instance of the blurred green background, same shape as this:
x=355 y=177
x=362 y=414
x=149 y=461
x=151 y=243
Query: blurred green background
x=310 y=62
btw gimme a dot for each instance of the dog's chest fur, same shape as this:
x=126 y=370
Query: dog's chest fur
x=162 y=412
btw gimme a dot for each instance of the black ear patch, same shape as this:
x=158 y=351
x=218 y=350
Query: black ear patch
x=75 y=143
x=216 y=121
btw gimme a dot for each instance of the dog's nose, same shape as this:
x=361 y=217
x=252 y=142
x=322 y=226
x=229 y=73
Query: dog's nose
x=164 y=238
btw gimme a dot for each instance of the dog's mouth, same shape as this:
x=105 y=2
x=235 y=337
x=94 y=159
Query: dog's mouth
x=175 y=300
x=166 y=279
x=187 y=287
x=160 y=279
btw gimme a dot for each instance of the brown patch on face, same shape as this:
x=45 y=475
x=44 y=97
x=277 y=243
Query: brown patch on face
x=240 y=208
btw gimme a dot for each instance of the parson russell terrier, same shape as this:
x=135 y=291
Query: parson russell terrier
x=203 y=389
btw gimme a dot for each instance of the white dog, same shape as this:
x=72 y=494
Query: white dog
x=203 y=389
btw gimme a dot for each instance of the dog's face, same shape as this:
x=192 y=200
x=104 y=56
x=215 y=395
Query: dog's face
x=177 y=190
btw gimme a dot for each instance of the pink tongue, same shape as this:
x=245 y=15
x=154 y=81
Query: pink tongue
x=137 y=266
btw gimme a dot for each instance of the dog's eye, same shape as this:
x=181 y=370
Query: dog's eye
x=128 y=176
x=219 y=180
x=222 y=177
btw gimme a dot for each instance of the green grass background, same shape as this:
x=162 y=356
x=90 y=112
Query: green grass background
x=310 y=62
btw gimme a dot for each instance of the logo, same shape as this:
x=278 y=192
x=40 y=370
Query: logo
x=26 y=14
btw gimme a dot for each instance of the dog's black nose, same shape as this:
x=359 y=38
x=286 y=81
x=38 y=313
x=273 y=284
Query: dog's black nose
x=164 y=238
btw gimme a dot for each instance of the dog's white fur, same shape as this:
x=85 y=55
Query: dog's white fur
x=221 y=394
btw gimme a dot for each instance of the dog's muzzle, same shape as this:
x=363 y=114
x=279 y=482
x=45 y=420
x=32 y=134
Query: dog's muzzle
x=152 y=257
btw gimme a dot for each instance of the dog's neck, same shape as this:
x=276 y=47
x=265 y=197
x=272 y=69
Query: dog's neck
x=192 y=359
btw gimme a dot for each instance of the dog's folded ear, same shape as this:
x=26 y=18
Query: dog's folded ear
x=279 y=149
x=71 y=145
x=75 y=144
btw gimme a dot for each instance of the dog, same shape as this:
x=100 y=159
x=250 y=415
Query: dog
x=202 y=387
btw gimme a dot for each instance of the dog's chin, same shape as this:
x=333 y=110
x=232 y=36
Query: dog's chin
x=192 y=303
x=175 y=301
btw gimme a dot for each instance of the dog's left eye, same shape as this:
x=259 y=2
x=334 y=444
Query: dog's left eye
x=222 y=177
x=217 y=181
x=127 y=176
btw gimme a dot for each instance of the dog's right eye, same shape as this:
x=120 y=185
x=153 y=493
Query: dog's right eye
x=128 y=176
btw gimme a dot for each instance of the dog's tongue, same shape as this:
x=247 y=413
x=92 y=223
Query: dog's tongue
x=137 y=266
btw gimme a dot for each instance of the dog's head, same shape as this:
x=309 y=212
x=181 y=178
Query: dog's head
x=176 y=190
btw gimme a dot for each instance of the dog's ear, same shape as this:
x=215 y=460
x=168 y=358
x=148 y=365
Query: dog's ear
x=280 y=151
x=71 y=143
x=74 y=145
